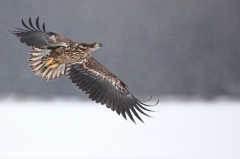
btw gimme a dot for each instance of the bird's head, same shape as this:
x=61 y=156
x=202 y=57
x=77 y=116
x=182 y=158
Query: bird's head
x=95 y=46
x=89 y=47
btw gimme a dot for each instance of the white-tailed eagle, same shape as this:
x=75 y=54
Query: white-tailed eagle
x=54 y=55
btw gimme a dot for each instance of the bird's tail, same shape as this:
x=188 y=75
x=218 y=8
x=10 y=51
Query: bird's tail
x=40 y=62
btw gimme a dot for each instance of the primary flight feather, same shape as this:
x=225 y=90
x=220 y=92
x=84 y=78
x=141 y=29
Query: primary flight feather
x=54 y=55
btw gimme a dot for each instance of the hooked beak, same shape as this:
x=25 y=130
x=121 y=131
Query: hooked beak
x=100 y=45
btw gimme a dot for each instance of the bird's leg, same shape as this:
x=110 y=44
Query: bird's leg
x=49 y=61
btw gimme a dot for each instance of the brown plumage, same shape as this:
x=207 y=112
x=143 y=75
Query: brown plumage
x=54 y=55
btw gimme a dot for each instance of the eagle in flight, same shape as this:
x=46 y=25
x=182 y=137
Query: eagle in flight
x=54 y=55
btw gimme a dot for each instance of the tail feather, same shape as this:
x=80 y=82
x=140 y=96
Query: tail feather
x=45 y=72
x=54 y=74
x=35 y=63
x=38 y=64
x=50 y=74
x=35 y=58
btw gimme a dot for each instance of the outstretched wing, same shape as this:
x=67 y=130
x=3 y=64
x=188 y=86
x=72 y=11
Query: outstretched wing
x=104 y=87
x=39 y=38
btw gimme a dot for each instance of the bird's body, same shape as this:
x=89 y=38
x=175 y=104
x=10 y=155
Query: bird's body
x=54 y=55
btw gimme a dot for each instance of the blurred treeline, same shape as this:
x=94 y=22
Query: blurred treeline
x=183 y=48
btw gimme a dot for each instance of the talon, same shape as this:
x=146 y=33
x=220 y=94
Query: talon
x=49 y=61
x=53 y=65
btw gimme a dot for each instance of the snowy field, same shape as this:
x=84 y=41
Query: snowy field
x=74 y=129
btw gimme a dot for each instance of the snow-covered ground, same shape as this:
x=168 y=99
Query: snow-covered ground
x=73 y=129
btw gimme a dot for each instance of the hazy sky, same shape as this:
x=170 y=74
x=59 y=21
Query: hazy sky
x=156 y=47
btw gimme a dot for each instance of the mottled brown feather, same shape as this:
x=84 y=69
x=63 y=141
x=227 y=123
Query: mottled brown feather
x=54 y=55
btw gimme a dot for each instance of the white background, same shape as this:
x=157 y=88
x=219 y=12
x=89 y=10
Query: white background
x=73 y=129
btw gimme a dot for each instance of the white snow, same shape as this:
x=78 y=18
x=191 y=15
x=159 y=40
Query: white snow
x=73 y=129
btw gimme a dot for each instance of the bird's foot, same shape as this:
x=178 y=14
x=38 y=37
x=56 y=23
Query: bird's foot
x=53 y=65
x=49 y=61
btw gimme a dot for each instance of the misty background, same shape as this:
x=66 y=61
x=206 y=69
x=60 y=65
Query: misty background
x=160 y=48
x=171 y=49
